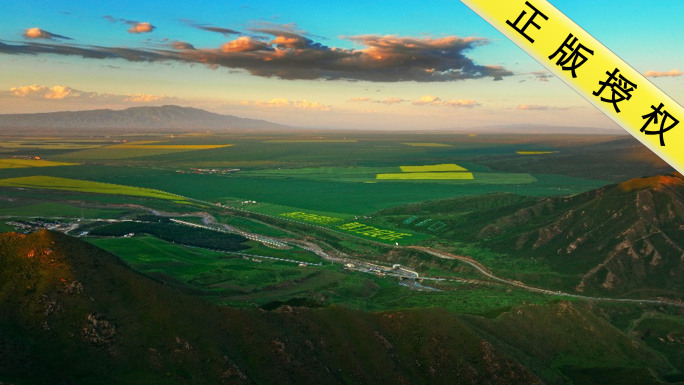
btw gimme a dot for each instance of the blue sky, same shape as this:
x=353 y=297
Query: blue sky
x=273 y=65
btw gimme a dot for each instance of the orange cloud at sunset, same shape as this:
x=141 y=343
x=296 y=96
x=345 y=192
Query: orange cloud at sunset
x=143 y=98
x=37 y=33
x=294 y=56
x=34 y=90
x=141 y=28
x=660 y=74
x=431 y=100
x=244 y=44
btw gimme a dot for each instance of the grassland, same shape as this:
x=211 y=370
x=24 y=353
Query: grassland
x=54 y=209
x=136 y=149
x=4 y=227
x=248 y=282
x=52 y=144
x=55 y=183
x=23 y=163
x=250 y=225
x=158 y=145
x=221 y=274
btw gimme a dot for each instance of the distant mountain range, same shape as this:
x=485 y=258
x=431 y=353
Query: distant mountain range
x=155 y=118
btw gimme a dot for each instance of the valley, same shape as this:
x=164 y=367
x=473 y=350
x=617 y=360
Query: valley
x=299 y=228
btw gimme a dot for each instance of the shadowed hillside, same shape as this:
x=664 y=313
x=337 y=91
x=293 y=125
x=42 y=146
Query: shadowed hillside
x=73 y=314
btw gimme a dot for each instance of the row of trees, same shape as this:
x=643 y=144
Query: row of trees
x=176 y=233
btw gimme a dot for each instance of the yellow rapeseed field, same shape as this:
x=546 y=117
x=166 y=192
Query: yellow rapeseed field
x=433 y=168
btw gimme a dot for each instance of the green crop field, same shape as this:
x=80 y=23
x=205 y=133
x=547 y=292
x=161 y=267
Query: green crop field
x=4 y=227
x=426 y=176
x=55 y=183
x=55 y=144
x=433 y=168
x=222 y=274
x=53 y=209
x=320 y=179
x=22 y=163
x=418 y=144
x=253 y=226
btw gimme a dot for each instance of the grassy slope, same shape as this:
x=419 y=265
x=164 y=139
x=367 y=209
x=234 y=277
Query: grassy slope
x=124 y=328
x=618 y=240
x=78 y=315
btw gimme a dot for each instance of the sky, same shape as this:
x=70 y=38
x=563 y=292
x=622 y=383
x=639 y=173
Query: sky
x=395 y=65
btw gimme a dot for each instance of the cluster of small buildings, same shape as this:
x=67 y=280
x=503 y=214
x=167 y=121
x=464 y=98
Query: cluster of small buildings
x=38 y=224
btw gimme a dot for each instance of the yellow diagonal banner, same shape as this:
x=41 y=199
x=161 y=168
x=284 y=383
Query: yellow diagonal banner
x=593 y=70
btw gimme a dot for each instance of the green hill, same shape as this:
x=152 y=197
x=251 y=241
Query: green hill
x=624 y=239
x=71 y=313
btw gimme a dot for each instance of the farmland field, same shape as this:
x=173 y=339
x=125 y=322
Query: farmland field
x=347 y=221
x=22 y=163
x=159 y=145
x=55 y=183
x=311 y=141
x=427 y=144
x=321 y=178
x=535 y=152
x=50 y=209
x=432 y=168
x=426 y=176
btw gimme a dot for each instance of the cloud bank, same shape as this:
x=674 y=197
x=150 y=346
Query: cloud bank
x=58 y=92
x=281 y=53
x=286 y=103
